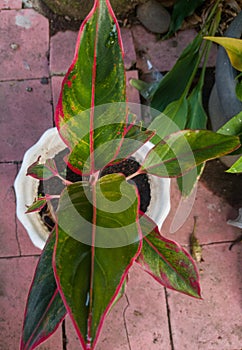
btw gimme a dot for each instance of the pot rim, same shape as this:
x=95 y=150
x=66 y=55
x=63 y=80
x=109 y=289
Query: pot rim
x=26 y=187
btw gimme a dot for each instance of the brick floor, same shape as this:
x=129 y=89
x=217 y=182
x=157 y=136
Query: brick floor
x=162 y=54
x=8 y=238
x=62 y=49
x=146 y=315
x=26 y=245
x=132 y=93
x=129 y=50
x=26 y=113
x=113 y=334
x=214 y=322
x=15 y=276
x=212 y=214
x=24 y=45
x=10 y=4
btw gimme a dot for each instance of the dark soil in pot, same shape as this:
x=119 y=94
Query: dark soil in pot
x=55 y=186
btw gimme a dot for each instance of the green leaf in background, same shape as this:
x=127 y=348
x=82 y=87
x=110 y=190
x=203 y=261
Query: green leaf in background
x=45 y=309
x=196 y=119
x=163 y=126
x=167 y=262
x=233 y=48
x=181 y=10
x=236 y=167
x=186 y=149
x=96 y=246
x=177 y=112
x=233 y=126
x=96 y=77
x=187 y=182
x=238 y=90
x=145 y=89
x=178 y=77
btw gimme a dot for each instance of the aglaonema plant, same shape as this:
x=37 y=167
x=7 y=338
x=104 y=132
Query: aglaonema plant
x=100 y=231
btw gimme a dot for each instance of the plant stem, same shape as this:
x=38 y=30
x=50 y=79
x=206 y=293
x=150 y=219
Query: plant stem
x=138 y=172
x=65 y=182
x=208 y=45
x=206 y=49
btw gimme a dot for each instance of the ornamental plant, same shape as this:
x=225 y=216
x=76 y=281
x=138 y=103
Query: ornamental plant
x=100 y=231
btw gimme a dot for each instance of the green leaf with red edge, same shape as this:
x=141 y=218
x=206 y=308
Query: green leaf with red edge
x=44 y=309
x=93 y=96
x=186 y=149
x=167 y=262
x=37 y=205
x=43 y=171
x=96 y=245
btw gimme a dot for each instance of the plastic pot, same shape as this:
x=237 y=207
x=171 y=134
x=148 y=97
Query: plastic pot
x=26 y=187
x=223 y=103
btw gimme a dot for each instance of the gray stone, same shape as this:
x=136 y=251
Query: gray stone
x=154 y=16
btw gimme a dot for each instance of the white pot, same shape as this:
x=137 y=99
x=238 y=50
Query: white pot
x=26 y=187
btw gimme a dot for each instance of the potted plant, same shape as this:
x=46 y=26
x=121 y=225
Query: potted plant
x=99 y=228
x=27 y=188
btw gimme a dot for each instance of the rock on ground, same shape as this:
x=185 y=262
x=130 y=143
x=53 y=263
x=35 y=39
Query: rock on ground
x=154 y=16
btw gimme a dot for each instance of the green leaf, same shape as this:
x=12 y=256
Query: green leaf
x=233 y=48
x=238 y=90
x=146 y=89
x=174 y=83
x=163 y=126
x=168 y=262
x=236 y=167
x=42 y=171
x=177 y=112
x=181 y=10
x=97 y=244
x=187 y=182
x=138 y=84
x=185 y=150
x=44 y=309
x=197 y=117
x=37 y=205
x=233 y=126
x=93 y=97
